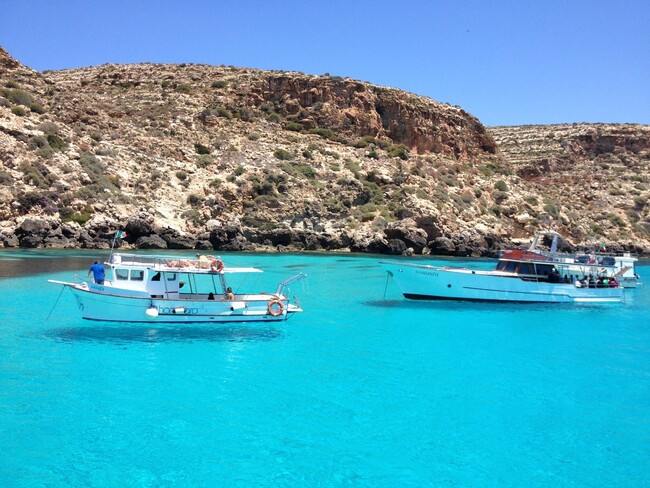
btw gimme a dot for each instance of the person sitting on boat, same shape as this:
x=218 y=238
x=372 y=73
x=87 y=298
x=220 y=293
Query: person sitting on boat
x=613 y=282
x=554 y=276
x=210 y=296
x=203 y=261
x=577 y=283
x=229 y=294
x=98 y=273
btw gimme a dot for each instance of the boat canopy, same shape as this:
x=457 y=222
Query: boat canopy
x=180 y=264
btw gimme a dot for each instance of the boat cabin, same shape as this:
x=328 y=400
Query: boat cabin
x=154 y=277
x=529 y=270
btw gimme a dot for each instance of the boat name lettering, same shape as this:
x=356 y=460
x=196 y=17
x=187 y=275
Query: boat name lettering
x=172 y=310
x=430 y=273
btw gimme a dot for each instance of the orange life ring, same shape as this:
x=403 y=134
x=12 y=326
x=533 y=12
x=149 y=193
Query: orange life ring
x=275 y=307
x=216 y=265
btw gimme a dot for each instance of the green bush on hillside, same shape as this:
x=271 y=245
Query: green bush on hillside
x=201 y=149
x=296 y=169
x=615 y=219
x=193 y=216
x=499 y=196
x=48 y=128
x=18 y=97
x=552 y=209
x=398 y=151
x=68 y=215
x=293 y=126
x=37 y=108
x=56 y=142
x=194 y=200
x=324 y=133
x=203 y=161
x=501 y=185
x=224 y=112
x=283 y=154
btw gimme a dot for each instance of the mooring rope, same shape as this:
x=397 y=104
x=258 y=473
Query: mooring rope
x=386 y=287
x=57 y=301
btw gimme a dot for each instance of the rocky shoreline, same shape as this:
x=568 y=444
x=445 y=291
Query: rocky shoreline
x=399 y=239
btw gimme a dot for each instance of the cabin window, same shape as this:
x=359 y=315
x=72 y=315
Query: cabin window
x=121 y=274
x=526 y=269
x=501 y=265
x=544 y=269
x=137 y=275
x=511 y=266
x=156 y=277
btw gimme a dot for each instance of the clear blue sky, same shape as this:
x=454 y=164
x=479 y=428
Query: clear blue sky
x=508 y=62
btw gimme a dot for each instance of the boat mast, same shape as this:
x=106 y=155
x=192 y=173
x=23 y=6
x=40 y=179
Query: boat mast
x=118 y=235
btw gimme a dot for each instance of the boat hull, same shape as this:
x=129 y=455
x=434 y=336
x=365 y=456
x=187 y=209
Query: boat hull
x=422 y=282
x=114 y=308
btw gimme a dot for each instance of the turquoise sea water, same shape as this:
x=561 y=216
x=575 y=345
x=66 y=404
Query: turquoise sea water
x=362 y=389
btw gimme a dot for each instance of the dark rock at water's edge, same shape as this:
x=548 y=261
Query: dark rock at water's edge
x=394 y=240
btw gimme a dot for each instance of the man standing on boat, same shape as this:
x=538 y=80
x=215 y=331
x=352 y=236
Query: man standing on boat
x=98 y=273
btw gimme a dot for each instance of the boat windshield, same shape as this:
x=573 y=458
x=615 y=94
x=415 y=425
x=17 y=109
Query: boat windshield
x=507 y=266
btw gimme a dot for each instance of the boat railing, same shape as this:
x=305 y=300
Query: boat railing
x=283 y=285
x=157 y=262
x=593 y=258
x=133 y=260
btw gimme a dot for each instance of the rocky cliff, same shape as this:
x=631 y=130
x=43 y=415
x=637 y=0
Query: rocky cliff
x=192 y=156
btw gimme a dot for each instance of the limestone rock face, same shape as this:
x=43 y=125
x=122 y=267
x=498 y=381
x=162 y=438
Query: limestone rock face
x=151 y=242
x=33 y=232
x=213 y=157
x=351 y=107
x=408 y=233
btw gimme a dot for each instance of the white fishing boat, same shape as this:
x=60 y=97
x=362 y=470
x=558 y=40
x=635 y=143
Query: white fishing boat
x=140 y=288
x=595 y=262
x=515 y=279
